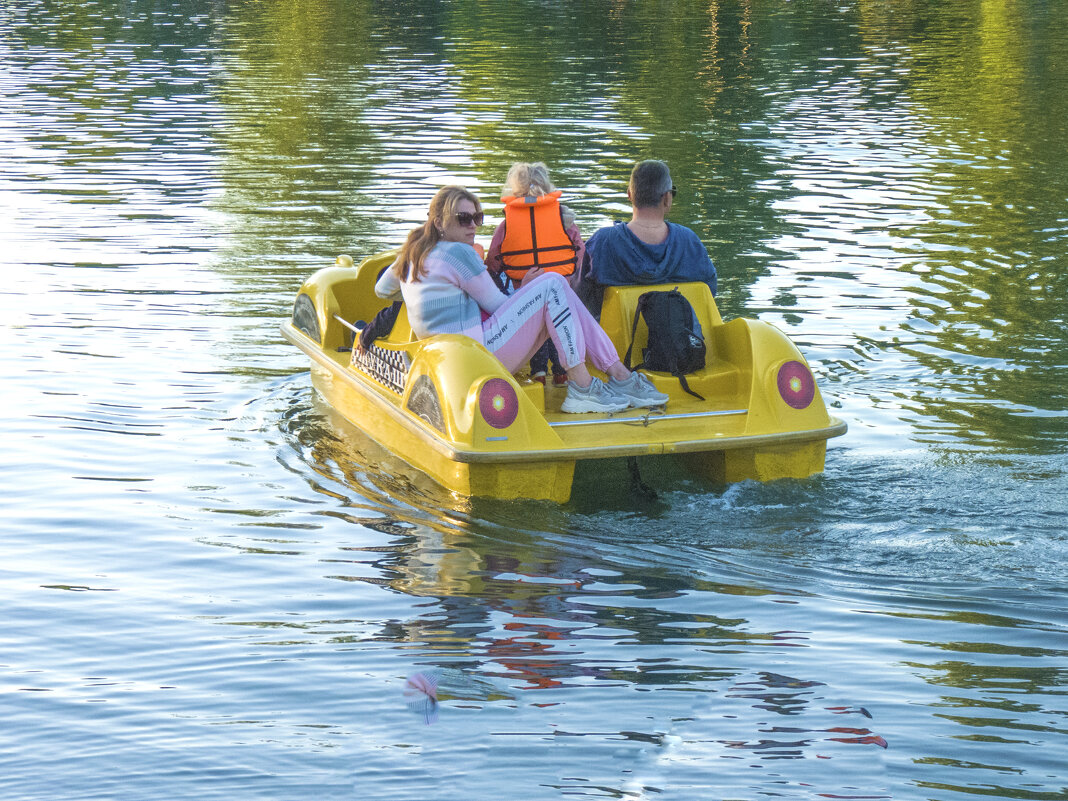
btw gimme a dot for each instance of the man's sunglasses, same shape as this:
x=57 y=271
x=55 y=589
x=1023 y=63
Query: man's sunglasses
x=465 y=218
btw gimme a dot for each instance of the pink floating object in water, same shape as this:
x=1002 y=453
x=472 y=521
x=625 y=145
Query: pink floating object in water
x=421 y=690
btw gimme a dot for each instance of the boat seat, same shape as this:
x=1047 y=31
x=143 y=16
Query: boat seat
x=720 y=377
x=620 y=303
x=402 y=332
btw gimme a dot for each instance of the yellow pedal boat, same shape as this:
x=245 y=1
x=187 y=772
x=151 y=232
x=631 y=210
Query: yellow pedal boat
x=445 y=405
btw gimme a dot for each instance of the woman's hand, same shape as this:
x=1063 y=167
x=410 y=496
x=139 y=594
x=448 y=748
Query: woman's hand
x=531 y=274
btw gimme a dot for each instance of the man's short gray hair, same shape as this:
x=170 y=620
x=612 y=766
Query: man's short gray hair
x=648 y=182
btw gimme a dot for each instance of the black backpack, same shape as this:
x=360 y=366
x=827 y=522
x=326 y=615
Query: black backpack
x=676 y=344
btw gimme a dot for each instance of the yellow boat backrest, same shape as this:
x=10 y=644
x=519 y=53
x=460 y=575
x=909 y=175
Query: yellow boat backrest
x=402 y=332
x=620 y=303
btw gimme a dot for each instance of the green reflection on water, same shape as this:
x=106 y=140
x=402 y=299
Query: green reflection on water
x=464 y=94
x=296 y=130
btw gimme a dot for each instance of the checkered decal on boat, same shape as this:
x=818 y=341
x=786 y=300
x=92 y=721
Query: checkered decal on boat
x=389 y=367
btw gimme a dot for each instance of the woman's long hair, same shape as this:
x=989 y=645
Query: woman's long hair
x=423 y=239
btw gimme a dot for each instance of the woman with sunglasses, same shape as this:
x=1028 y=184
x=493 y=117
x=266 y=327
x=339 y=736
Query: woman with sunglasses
x=448 y=290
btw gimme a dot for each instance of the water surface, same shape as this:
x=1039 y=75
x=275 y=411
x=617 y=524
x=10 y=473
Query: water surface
x=214 y=587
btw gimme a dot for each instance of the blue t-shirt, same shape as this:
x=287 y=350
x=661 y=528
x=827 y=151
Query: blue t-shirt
x=619 y=258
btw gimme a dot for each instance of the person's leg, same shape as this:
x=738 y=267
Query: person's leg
x=599 y=348
x=547 y=305
x=539 y=362
x=536 y=312
x=554 y=359
x=635 y=388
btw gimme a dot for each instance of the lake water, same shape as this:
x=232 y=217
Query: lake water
x=214 y=588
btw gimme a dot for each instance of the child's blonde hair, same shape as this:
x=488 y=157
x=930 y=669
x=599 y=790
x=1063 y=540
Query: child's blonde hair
x=526 y=178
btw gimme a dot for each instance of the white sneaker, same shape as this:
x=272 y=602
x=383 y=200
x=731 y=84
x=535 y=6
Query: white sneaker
x=638 y=391
x=597 y=397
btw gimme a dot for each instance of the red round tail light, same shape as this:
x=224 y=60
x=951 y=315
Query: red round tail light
x=498 y=403
x=796 y=385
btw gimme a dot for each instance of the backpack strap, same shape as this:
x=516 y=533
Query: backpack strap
x=685 y=386
x=634 y=327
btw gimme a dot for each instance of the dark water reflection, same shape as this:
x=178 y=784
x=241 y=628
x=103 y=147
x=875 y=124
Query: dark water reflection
x=214 y=587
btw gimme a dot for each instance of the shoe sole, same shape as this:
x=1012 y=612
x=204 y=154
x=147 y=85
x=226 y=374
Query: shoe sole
x=638 y=403
x=634 y=402
x=588 y=407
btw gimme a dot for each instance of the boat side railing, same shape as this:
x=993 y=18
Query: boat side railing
x=355 y=332
x=347 y=324
x=648 y=418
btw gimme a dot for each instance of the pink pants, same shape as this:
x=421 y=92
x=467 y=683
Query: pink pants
x=547 y=308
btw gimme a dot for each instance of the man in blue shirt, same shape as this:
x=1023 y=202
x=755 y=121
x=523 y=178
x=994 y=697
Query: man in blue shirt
x=648 y=249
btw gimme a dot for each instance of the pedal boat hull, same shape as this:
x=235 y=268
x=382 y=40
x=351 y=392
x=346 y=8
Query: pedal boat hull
x=446 y=406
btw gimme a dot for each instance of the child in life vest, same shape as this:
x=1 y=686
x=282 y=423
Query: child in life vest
x=538 y=235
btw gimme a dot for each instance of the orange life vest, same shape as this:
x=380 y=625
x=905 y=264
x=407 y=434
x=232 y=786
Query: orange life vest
x=534 y=236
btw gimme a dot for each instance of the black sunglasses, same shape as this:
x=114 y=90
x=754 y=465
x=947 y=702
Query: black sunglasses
x=465 y=218
x=673 y=190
